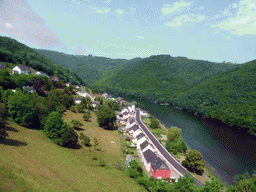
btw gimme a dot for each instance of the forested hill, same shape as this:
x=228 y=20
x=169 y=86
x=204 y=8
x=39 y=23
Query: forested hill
x=12 y=51
x=229 y=96
x=160 y=77
x=90 y=68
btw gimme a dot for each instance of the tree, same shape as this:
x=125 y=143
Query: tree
x=186 y=183
x=84 y=103
x=5 y=80
x=106 y=117
x=134 y=170
x=95 y=143
x=76 y=124
x=215 y=185
x=86 y=139
x=22 y=111
x=87 y=115
x=55 y=126
x=154 y=123
x=173 y=134
x=68 y=138
x=99 y=99
x=3 y=133
x=194 y=162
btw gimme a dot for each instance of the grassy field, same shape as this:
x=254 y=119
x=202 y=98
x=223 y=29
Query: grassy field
x=30 y=161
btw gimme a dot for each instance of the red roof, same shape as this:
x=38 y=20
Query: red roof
x=122 y=101
x=55 y=79
x=97 y=95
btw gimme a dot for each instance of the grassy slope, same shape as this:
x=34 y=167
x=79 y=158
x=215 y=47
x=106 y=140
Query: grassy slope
x=32 y=162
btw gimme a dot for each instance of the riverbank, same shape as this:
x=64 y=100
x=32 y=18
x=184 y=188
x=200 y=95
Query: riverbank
x=161 y=134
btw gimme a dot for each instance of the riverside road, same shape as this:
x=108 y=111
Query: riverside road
x=162 y=150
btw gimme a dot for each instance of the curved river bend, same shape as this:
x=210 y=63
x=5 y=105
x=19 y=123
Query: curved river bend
x=229 y=151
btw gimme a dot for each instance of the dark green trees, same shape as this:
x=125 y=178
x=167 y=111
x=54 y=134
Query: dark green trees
x=86 y=139
x=58 y=130
x=76 y=124
x=106 y=117
x=175 y=142
x=154 y=123
x=21 y=109
x=194 y=162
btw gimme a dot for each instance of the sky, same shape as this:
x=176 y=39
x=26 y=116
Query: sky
x=213 y=30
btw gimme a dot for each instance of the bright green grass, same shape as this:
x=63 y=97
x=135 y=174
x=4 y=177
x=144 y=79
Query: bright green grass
x=30 y=161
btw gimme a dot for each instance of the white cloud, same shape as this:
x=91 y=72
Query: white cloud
x=179 y=21
x=119 y=11
x=118 y=38
x=141 y=37
x=8 y=26
x=228 y=38
x=243 y=20
x=105 y=11
x=177 y=6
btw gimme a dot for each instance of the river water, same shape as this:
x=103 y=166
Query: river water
x=229 y=151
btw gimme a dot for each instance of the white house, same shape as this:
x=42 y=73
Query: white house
x=145 y=146
x=95 y=103
x=137 y=132
x=104 y=95
x=78 y=100
x=148 y=157
x=68 y=84
x=41 y=73
x=20 y=69
x=140 y=139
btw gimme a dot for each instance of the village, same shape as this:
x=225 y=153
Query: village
x=149 y=155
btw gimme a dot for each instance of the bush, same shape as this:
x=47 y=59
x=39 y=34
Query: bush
x=69 y=138
x=76 y=124
x=86 y=139
x=102 y=163
x=87 y=116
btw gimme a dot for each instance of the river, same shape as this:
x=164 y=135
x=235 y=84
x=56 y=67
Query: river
x=229 y=151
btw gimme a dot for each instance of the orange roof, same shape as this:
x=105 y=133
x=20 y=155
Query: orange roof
x=97 y=95
x=122 y=101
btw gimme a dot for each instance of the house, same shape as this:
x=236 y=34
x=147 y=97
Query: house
x=77 y=86
x=122 y=101
x=29 y=89
x=95 y=103
x=104 y=95
x=68 y=84
x=133 y=129
x=41 y=73
x=155 y=165
x=55 y=79
x=20 y=69
x=2 y=66
x=119 y=98
x=145 y=146
x=46 y=92
x=78 y=100
x=159 y=170
x=97 y=96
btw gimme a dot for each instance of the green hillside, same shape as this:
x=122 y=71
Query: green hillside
x=12 y=51
x=89 y=68
x=159 y=77
x=229 y=96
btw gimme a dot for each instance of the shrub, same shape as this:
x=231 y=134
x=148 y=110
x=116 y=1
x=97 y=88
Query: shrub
x=76 y=124
x=86 y=139
x=69 y=138
x=102 y=163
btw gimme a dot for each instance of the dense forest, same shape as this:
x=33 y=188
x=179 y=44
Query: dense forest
x=89 y=68
x=12 y=51
x=224 y=91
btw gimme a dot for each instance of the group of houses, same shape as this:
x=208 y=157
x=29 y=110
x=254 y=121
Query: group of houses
x=148 y=153
x=22 y=69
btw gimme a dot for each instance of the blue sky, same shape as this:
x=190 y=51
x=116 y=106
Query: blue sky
x=214 y=30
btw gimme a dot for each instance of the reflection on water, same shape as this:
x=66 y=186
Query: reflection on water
x=228 y=150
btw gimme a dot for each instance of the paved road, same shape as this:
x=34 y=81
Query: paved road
x=162 y=150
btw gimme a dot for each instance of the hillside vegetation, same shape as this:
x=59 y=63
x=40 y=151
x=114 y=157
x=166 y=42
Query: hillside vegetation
x=89 y=68
x=12 y=51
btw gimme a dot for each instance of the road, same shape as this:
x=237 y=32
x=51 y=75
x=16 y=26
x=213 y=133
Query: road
x=162 y=149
